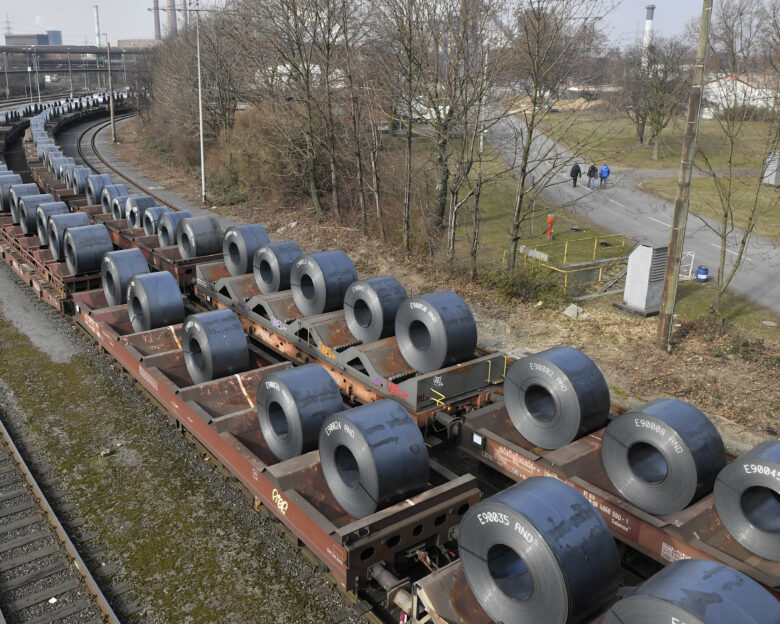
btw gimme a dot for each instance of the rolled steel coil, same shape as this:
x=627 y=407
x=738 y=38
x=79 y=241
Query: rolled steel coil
x=136 y=207
x=372 y=456
x=42 y=215
x=272 y=264
x=119 y=207
x=116 y=271
x=16 y=192
x=696 y=591
x=66 y=173
x=59 y=163
x=152 y=218
x=6 y=182
x=320 y=280
x=370 y=307
x=539 y=552
x=28 y=206
x=199 y=236
x=556 y=396
x=663 y=456
x=56 y=228
x=50 y=155
x=214 y=345
x=41 y=145
x=435 y=330
x=291 y=406
x=154 y=300
x=239 y=246
x=85 y=246
x=168 y=226
x=747 y=498
x=79 y=177
x=109 y=193
x=95 y=185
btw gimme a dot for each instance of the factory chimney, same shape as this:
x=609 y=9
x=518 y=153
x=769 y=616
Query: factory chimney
x=97 y=27
x=156 y=11
x=171 y=18
x=648 y=26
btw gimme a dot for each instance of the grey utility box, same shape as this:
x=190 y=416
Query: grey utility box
x=645 y=280
x=772 y=171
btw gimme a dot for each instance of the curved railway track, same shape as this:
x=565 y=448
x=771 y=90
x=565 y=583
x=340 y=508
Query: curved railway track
x=42 y=576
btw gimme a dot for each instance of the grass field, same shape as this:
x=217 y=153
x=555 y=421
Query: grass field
x=705 y=202
x=614 y=142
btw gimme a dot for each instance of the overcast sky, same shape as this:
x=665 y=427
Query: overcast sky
x=129 y=19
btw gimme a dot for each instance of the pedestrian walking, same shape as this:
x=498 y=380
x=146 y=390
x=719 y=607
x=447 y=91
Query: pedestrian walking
x=575 y=173
x=592 y=173
x=603 y=175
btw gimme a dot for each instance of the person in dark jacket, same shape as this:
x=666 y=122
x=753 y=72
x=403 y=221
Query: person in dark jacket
x=603 y=175
x=592 y=173
x=575 y=173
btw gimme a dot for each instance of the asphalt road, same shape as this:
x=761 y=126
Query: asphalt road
x=623 y=208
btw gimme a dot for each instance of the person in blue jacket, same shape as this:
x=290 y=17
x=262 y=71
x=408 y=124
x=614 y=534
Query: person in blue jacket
x=603 y=175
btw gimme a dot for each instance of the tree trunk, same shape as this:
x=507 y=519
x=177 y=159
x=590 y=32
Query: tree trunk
x=640 y=131
x=408 y=183
x=442 y=177
x=475 y=234
x=655 y=148
x=313 y=191
x=378 y=205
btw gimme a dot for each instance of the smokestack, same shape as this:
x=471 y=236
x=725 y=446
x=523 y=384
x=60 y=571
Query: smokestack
x=97 y=27
x=156 y=11
x=649 y=25
x=171 y=18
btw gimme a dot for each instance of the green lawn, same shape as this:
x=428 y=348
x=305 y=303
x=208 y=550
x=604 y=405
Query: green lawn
x=705 y=202
x=613 y=140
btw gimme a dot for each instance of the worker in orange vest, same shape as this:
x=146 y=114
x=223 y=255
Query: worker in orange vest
x=550 y=221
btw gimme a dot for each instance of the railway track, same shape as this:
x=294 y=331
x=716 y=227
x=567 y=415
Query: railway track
x=42 y=576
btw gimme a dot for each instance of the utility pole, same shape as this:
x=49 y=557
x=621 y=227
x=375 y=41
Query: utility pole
x=111 y=94
x=5 y=64
x=200 y=108
x=29 y=74
x=70 y=76
x=680 y=217
x=37 y=78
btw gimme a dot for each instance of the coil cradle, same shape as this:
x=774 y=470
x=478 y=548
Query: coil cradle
x=119 y=207
x=747 y=499
x=320 y=280
x=42 y=214
x=6 y=182
x=556 y=396
x=696 y=591
x=663 y=456
x=58 y=225
x=198 y=236
x=117 y=268
x=152 y=219
x=95 y=184
x=136 y=207
x=291 y=406
x=538 y=552
x=239 y=247
x=85 y=246
x=109 y=193
x=28 y=206
x=372 y=456
x=168 y=225
x=16 y=192
x=272 y=264
x=154 y=300
x=214 y=345
x=370 y=307
x=435 y=330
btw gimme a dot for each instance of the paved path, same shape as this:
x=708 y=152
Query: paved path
x=622 y=207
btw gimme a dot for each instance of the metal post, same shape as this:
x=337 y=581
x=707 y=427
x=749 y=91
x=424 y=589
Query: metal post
x=97 y=67
x=111 y=94
x=70 y=76
x=680 y=217
x=37 y=78
x=5 y=64
x=29 y=74
x=200 y=109
x=124 y=69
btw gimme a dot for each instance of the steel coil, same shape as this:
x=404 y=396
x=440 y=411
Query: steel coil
x=154 y=300
x=28 y=206
x=747 y=498
x=272 y=264
x=59 y=163
x=199 y=236
x=135 y=208
x=214 y=345
x=18 y=191
x=85 y=246
x=42 y=214
x=696 y=591
x=119 y=207
x=168 y=225
x=291 y=406
x=79 y=177
x=370 y=307
x=435 y=330
x=556 y=396
x=117 y=269
x=663 y=456
x=239 y=247
x=539 y=552
x=320 y=280
x=56 y=228
x=94 y=187
x=6 y=182
x=372 y=456
x=109 y=193
x=152 y=219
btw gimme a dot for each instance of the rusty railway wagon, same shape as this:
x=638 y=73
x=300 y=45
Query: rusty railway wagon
x=407 y=547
